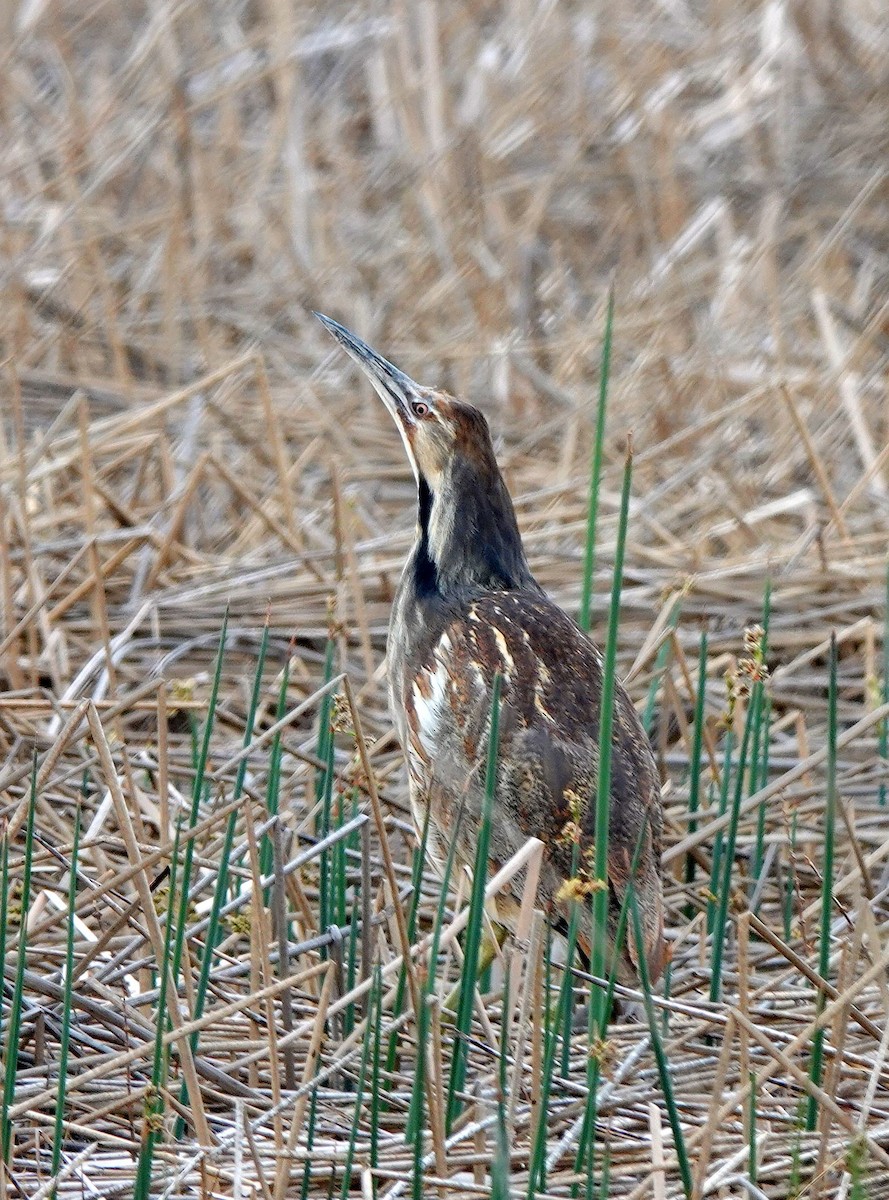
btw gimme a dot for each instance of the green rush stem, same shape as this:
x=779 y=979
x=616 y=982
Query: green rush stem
x=757 y=778
x=566 y=996
x=585 y=1142
x=694 y=784
x=752 y=1164
x=154 y=1103
x=374 y=1006
x=219 y=892
x=659 y=1054
x=718 y=840
x=352 y=843
x=338 y=898
x=668 y=981
x=604 y=1192
x=790 y=889
x=65 y=1039
x=4 y=904
x=589 y=556
x=416 y=878
x=883 y=731
x=15 y=1005
x=273 y=783
x=827 y=878
x=310 y=1143
x=350 y=967
x=599 y=946
x=476 y=916
x=419 y=857
x=325 y=871
x=761 y=782
x=537 y=1173
x=414 y=1128
x=500 y=1164
x=376 y=1105
x=196 y=796
x=324 y=787
x=721 y=922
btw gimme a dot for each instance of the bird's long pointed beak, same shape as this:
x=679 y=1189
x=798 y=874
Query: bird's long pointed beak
x=394 y=387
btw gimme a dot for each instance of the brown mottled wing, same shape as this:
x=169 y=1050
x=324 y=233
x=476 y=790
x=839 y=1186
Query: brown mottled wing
x=549 y=739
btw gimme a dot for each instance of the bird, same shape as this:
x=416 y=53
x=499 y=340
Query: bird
x=468 y=608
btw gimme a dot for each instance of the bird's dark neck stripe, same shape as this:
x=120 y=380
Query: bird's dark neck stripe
x=468 y=535
x=425 y=571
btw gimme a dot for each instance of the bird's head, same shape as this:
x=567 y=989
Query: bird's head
x=468 y=530
x=434 y=426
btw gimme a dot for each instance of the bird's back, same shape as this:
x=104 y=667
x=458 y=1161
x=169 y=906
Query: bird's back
x=552 y=676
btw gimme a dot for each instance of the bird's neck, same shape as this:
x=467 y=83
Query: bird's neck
x=468 y=537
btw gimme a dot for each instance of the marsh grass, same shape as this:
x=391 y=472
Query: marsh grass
x=67 y=1006
x=181 y=187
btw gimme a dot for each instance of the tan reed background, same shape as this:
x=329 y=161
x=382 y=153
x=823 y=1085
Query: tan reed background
x=180 y=185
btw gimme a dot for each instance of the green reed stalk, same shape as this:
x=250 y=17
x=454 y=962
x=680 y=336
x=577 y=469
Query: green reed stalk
x=716 y=868
x=324 y=789
x=154 y=1102
x=600 y=1003
x=4 y=904
x=605 y=1186
x=585 y=1143
x=310 y=1145
x=463 y=1025
x=273 y=781
x=537 y=1168
x=694 y=782
x=883 y=731
x=720 y=925
x=196 y=797
x=659 y=1053
x=67 y=1007
x=752 y=1161
x=856 y=1164
x=790 y=890
x=537 y=1171
x=589 y=557
x=17 y=999
x=377 y=1106
x=794 y=1184
x=599 y=947
x=500 y=1166
x=211 y=940
x=373 y=1009
x=758 y=775
x=351 y=843
x=566 y=995
x=760 y=782
x=815 y=1067
x=414 y=1127
x=419 y=857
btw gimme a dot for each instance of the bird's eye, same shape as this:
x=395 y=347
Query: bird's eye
x=419 y=408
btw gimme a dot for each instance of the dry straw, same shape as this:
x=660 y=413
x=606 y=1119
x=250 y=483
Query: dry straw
x=238 y=1011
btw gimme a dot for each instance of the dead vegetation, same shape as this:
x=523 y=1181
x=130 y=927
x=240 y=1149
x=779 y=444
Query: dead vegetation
x=180 y=186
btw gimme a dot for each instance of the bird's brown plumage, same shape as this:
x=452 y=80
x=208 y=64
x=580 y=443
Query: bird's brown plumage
x=467 y=608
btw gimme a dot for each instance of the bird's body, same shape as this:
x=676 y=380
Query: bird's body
x=468 y=608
